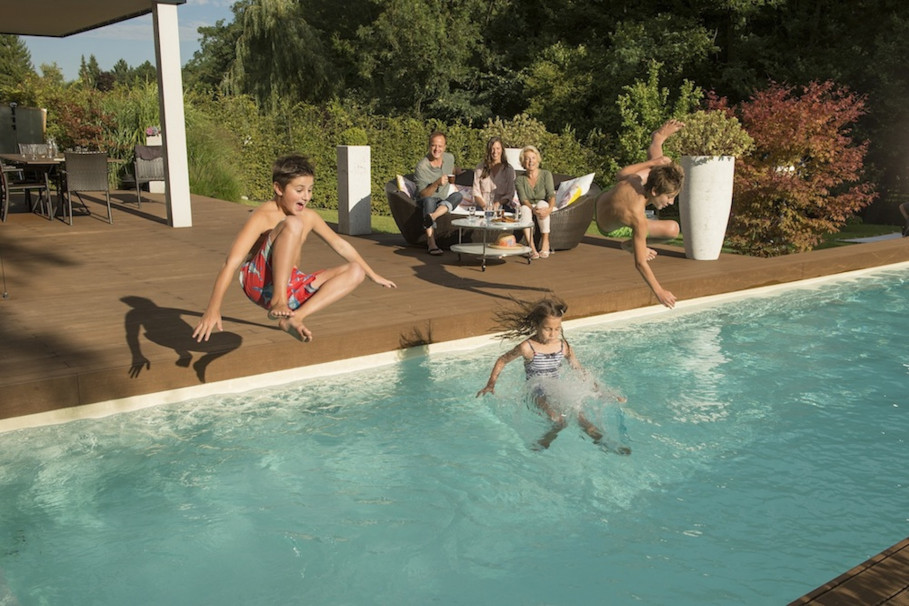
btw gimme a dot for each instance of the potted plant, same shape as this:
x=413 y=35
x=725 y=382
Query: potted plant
x=708 y=146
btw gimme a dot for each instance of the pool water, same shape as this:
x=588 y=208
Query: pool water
x=769 y=456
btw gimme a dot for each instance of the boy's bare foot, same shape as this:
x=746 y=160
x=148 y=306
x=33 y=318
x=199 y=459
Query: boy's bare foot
x=297 y=331
x=279 y=312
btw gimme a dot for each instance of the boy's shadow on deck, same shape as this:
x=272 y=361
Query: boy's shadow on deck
x=165 y=326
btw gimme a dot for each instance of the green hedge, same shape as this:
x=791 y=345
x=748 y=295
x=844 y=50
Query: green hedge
x=232 y=141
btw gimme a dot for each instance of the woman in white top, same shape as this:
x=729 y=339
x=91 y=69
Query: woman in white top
x=493 y=179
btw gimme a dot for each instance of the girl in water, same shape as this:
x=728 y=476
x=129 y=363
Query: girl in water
x=544 y=349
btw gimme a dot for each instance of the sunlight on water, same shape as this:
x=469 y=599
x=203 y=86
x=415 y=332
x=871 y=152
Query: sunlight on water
x=753 y=425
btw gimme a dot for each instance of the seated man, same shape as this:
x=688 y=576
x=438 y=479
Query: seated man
x=432 y=176
x=656 y=181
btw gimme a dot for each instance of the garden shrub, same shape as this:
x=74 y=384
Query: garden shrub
x=709 y=133
x=644 y=107
x=213 y=155
x=803 y=178
x=232 y=141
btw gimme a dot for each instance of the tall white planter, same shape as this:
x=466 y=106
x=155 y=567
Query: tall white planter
x=704 y=204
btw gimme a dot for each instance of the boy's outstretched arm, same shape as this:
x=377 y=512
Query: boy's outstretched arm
x=211 y=318
x=347 y=251
x=641 y=255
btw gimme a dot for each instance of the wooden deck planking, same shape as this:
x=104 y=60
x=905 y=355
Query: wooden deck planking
x=881 y=580
x=65 y=317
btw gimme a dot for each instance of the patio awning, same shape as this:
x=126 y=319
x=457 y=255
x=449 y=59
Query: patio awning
x=58 y=18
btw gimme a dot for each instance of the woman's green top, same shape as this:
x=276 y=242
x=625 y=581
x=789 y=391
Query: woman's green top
x=543 y=190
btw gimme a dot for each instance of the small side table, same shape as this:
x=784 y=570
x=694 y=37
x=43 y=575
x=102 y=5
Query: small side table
x=484 y=250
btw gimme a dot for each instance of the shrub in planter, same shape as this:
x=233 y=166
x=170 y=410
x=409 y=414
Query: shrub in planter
x=708 y=144
x=709 y=133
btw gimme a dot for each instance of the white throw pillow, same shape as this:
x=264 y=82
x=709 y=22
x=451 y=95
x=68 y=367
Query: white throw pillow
x=406 y=186
x=571 y=190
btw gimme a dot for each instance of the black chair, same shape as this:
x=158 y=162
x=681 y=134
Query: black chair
x=148 y=166
x=86 y=171
x=15 y=180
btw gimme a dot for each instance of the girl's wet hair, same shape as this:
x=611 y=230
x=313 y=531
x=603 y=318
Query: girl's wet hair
x=525 y=320
x=287 y=168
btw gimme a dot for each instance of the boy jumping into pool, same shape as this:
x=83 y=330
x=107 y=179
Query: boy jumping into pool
x=266 y=252
x=656 y=181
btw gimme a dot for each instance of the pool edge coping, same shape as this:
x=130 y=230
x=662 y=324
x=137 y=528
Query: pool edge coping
x=272 y=379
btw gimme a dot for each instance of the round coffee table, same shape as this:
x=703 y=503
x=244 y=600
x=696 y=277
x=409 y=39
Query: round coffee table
x=484 y=249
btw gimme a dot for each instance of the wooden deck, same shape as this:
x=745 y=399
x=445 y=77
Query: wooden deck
x=99 y=312
x=883 y=579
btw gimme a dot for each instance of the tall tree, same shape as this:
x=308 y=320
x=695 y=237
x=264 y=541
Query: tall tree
x=416 y=54
x=217 y=51
x=15 y=60
x=280 y=55
x=89 y=71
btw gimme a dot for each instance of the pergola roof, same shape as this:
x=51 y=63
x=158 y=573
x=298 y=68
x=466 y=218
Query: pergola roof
x=58 y=18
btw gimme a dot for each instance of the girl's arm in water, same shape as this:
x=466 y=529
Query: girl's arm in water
x=504 y=359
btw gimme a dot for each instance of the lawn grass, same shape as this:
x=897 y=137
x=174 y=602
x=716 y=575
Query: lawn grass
x=856 y=230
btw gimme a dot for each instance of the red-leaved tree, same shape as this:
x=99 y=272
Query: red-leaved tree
x=803 y=178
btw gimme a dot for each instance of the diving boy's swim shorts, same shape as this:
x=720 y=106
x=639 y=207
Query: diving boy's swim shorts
x=258 y=284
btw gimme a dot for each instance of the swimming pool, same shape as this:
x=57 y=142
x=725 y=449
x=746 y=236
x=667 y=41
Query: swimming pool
x=769 y=438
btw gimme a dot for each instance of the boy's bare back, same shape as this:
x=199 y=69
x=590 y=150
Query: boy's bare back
x=622 y=205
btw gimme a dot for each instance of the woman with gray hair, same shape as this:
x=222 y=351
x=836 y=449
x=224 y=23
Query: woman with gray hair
x=537 y=196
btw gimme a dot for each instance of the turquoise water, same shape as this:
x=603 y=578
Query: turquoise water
x=769 y=456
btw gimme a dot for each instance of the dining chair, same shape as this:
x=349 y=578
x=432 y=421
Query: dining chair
x=15 y=180
x=86 y=171
x=149 y=166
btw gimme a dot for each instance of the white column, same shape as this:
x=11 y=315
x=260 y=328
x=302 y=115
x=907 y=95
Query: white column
x=354 y=190
x=173 y=122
